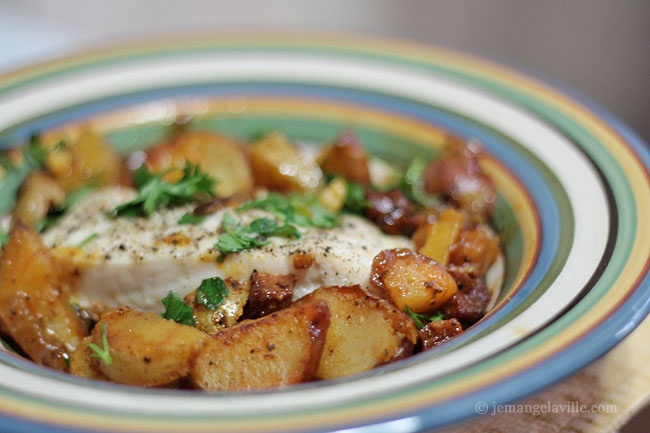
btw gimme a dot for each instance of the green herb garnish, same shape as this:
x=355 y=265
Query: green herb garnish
x=88 y=239
x=412 y=184
x=420 y=319
x=190 y=218
x=155 y=192
x=356 y=201
x=177 y=310
x=211 y=293
x=103 y=353
x=4 y=238
x=301 y=210
x=236 y=237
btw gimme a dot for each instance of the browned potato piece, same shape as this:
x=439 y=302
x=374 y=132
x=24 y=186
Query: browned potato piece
x=435 y=333
x=441 y=235
x=81 y=361
x=413 y=280
x=38 y=194
x=279 y=165
x=347 y=157
x=215 y=154
x=364 y=332
x=269 y=293
x=280 y=349
x=87 y=158
x=146 y=350
x=34 y=303
x=475 y=251
x=458 y=174
x=227 y=314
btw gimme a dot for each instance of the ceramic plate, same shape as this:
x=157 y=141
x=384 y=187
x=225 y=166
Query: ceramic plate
x=574 y=193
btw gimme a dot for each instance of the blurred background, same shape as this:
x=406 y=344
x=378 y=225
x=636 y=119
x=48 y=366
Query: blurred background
x=599 y=47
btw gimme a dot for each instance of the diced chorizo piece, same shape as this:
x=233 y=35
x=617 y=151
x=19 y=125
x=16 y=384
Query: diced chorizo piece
x=458 y=174
x=364 y=332
x=412 y=279
x=469 y=304
x=34 y=300
x=435 y=333
x=391 y=211
x=474 y=251
x=226 y=314
x=268 y=294
x=280 y=349
x=348 y=158
x=222 y=202
x=302 y=260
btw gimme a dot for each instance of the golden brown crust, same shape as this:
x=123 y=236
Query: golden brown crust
x=145 y=349
x=412 y=279
x=280 y=349
x=34 y=303
x=364 y=332
x=81 y=362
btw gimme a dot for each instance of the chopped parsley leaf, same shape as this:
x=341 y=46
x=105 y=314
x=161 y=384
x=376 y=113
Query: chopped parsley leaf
x=420 y=319
x=412 y=184
x=299 y=209
x=190 y=218
x=236 y=237
x=155 y=192
x=4 y=238
x=177 y=310
x=356 y=201
x=211 y=293
x=88 y=239
x=104 y=353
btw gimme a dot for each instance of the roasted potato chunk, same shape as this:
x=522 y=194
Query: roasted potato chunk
x=269 y=293
x=332 y=196
x=81 y=361
x=37 y=196
x=34 y=303
x=227 y=314
x=458 y=175
x=470 y=303
x=435 y=333
x=146 y=350
x=411 y=279
x=441 y=235
x=347 y=157
x=219 y=156
x=84 y=159
x=474 y=251
x=364 y=332
x=280 y=349
x=279 y=165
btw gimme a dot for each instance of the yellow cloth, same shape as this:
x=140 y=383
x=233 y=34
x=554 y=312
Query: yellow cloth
x=620 y=378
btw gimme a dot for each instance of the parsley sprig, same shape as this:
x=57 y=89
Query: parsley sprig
x=299 y=209
x=103 y=353
x=177 y=310
x=190 y=218
x=236 y=237
x=412 y=184
x=211 y=293
x=356 y=200
x=155 y=192
x=420 y=319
